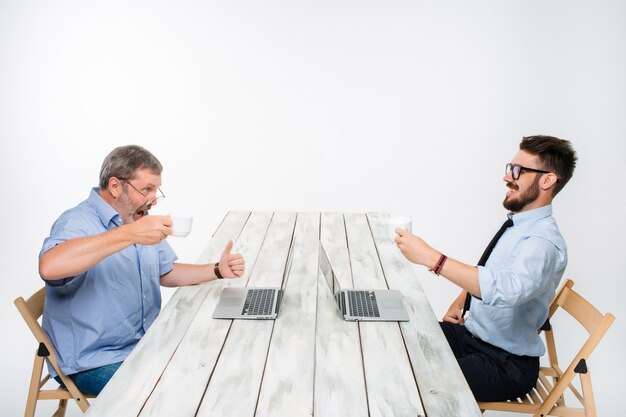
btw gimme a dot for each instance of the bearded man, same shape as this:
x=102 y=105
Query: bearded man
x=509 y=291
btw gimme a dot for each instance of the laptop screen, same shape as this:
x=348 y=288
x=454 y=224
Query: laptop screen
x=288 y=265
x=328 y=272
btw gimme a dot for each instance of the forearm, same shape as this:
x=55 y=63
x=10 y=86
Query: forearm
x=419 y=252
x=188 y=274
x=75 y=256
x=463 y=275
x=459 y=302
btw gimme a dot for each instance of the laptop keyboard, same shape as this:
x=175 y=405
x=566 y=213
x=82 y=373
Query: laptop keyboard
x=363 y=304
x=258 y=302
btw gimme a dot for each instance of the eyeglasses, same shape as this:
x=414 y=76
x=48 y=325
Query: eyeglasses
x=158 y=194
x=516 y=170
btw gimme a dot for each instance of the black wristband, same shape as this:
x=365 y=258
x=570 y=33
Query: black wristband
x=216 y=269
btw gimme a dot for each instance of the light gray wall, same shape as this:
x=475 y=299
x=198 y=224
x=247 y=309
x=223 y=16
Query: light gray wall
x=408 y=107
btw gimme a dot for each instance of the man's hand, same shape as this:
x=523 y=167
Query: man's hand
x=415 y=249
x=150 y=230
x=232 y=265
x=454 y=315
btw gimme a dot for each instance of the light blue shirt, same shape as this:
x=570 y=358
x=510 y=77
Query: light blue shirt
x=96 y=318
x=518 y=283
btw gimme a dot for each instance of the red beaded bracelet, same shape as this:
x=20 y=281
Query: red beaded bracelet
x=442 y=260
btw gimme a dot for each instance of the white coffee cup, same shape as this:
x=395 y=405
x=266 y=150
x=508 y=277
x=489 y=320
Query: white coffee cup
x=395 y=222
x=181 y=224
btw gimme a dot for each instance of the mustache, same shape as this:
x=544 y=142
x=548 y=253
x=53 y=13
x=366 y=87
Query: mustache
x=512 y=186
x=143 y=209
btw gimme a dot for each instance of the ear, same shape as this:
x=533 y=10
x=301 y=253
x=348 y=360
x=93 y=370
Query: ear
x=115 y=187
x=548 y=181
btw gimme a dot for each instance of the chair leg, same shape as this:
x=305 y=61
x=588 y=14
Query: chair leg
x=61 y=410
x=589 y=402
x=33 y=390
x=79 y=398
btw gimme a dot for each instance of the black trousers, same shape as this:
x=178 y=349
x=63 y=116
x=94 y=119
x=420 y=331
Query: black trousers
x=493 y=374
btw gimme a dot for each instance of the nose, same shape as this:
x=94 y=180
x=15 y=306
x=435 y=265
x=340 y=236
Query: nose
x=508 y=176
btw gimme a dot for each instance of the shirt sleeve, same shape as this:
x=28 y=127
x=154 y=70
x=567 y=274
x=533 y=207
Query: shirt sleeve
x=167 y=257
x=68 y=226
x=532 y=270
x=65 y=228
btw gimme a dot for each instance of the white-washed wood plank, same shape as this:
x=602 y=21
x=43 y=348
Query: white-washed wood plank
x=234 y=386
x=131 y=385
x=270 y=265
x=187 y=375
x=339 y=380
x=442 y=386
x=333 y=237
x=287 y=387
x=391 y=387
x=232 y=223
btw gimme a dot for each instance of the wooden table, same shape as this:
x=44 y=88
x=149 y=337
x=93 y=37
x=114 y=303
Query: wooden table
x=307 y=362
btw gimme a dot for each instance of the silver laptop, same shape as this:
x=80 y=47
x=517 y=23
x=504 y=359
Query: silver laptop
x=253 y=303
x=365 y=305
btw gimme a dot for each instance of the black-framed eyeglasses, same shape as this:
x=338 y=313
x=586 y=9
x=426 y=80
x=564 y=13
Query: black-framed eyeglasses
x=158 y=194
x=516 y=170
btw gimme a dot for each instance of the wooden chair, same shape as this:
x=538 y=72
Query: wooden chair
x=547 y=398
x=31 y=311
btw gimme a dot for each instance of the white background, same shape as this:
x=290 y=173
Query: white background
x=408 y=107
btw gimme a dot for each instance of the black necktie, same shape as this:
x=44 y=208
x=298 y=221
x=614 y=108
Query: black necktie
x=483 y=259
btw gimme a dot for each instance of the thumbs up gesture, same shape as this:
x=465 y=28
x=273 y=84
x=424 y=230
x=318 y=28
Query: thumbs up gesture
x=232 y=265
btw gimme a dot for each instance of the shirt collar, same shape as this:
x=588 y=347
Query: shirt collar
x=531 y=215
x=106 y=213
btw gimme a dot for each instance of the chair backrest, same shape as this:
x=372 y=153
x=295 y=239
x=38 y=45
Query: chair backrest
x=547 y=397
x=593 y=321
x=31 y=311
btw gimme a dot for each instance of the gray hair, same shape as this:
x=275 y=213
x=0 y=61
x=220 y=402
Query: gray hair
x=124 y=161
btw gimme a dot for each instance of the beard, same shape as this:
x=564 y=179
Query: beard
x=131 y=214
x=530 y=195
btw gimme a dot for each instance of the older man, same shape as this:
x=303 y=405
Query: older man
x=103 y=265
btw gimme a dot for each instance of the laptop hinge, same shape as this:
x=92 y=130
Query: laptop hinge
x=342 y=302
x=278 y=300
